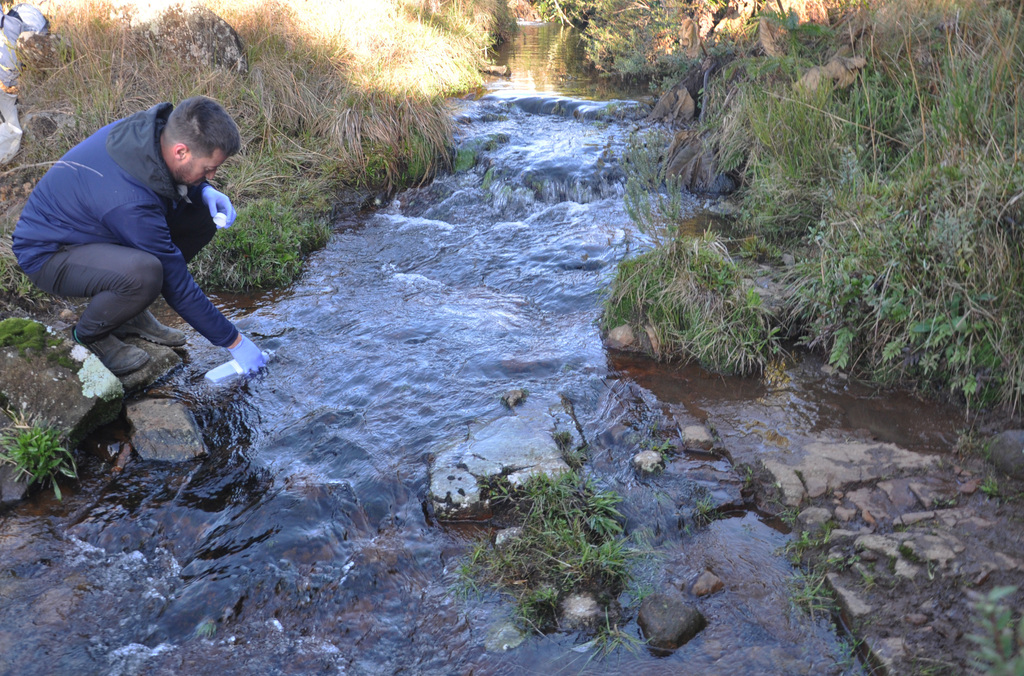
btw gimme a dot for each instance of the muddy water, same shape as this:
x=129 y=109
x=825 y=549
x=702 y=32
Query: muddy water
x=302 y=544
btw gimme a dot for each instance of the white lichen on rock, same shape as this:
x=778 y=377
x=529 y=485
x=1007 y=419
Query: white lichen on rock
x=98 y=381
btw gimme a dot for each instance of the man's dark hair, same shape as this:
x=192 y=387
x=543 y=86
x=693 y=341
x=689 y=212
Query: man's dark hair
x=203 y=125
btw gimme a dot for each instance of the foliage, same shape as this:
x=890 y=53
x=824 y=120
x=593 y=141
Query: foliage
x=635 y=39
x=38 y=453
x=1000 y=635
x=571 y=540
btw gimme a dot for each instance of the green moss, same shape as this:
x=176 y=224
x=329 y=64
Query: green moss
x=465 y=159
x=29 y=336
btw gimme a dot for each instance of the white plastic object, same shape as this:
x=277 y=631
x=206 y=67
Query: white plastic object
x=220 y=220
x=228 y=369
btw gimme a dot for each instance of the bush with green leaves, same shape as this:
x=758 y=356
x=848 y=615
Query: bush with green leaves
x=38 y=453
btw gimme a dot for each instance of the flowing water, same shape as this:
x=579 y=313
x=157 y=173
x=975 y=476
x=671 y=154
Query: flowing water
x=303 y=544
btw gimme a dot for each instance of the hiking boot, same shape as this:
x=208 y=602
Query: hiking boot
x=119 y=358
x=145 y=326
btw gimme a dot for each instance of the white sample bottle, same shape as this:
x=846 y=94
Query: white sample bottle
x=220 y=220
x=228 y=369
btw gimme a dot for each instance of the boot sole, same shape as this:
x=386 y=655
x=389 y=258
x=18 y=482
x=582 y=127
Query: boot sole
x=152 y=338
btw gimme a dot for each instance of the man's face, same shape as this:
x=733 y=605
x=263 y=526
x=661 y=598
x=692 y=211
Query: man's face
x=189 y=169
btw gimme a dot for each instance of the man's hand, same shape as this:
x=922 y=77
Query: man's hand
x=217 y=202
x=248 y=355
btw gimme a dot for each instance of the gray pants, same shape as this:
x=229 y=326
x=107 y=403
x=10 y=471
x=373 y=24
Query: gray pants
x=121 y=281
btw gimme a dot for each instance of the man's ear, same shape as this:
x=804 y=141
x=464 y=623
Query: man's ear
x=180 y=152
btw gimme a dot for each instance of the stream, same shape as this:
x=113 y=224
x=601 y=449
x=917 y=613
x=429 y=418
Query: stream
x=303 y=543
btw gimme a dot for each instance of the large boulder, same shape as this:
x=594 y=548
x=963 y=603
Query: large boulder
x=187 y=29
x=1007 y=452
x=514 y=447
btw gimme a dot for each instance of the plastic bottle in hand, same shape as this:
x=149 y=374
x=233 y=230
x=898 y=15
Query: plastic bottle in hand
x=220 y=220
x=228 y=369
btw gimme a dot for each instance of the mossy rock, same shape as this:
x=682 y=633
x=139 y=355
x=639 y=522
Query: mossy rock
x=50 y=380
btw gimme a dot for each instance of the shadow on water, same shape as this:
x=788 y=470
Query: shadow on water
x=302 y=544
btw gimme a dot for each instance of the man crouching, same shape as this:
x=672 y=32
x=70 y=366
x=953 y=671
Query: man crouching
x=118 y=218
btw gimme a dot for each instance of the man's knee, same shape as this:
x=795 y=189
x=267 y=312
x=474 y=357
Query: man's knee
x=146 y=274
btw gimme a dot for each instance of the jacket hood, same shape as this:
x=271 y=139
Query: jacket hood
x=134 y=143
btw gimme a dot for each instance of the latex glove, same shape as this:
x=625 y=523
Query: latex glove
x=217 y=202
x=248 y=355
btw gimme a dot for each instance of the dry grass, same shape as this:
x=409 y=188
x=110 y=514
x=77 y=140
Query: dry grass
x=348 y=92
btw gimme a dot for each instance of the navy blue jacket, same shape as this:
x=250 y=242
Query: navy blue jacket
x=114 y=187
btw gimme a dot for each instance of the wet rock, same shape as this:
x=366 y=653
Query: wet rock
x=515 y=446
x=813 y=518
x=1007 y=452
x=500 y=71
x=668 y=621
x=648 y=462
x=707 y=583
x=620 y=338
x=697 y=437
x=513 y=398
x=505 y=636
x=164 y=430
x=55 y=381
x=940 y=548
x=820 y=466
x=579 y=611
x=910 y=518
x=851 y=604
x=916 y=619
x=12 y=489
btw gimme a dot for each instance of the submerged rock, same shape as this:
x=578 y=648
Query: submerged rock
x=165 y=430
x=516 y=447
x=668 y=621
x=648 y=462
x=580 y=611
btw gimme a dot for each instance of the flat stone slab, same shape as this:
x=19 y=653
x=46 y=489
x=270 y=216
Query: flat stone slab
x=515 y=446
x=162 y=360
x=164 y=429
x=815 y=468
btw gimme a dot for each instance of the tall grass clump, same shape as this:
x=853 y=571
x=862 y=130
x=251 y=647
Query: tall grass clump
x=688 y=290
x=38 y=453
x=342 y=93
x=904 y=190
x=569 y=540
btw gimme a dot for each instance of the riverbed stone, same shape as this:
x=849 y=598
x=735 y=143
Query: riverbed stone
x=668 y=621
x=164 y=430
x=59 y=384
x=505 y=636
x=515 y=446
x=1007 y=452
x=579 y=611
x=813 y=469
x=620 y=338
x=697 y=437
x=707 y=583
x=648 y=462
